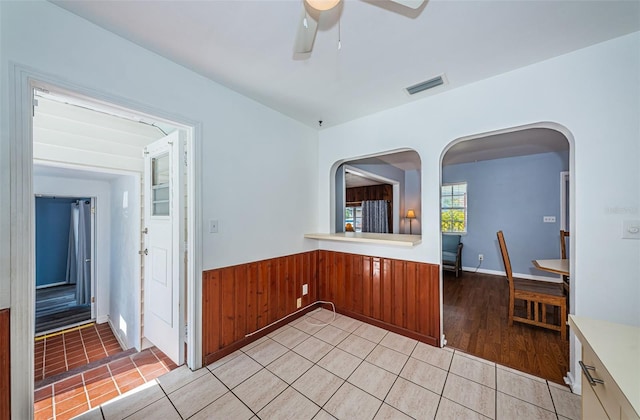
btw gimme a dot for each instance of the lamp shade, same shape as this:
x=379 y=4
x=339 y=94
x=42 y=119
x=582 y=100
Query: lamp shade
x=322 y=5
x=411 y=214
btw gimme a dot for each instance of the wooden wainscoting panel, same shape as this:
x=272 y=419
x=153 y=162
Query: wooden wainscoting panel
x=5 y=365
x=396 y=294
x=242 y=299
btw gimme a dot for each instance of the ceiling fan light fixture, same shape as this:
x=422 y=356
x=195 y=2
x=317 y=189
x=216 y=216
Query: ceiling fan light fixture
x=322 y=5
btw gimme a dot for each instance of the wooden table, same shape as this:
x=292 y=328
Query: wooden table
x=559 y=266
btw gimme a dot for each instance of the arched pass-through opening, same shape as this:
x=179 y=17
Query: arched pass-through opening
x=504 y=180
x=391 y=176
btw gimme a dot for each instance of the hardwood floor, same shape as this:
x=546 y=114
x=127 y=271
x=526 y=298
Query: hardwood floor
x=475 y=321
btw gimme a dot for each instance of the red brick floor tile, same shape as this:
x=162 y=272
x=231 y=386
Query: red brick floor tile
x=104 y=398
x=97 y=356
x=105 y=388
x=74 y=363
x=43 y=398
x=70 y=383
x=54 y=371
x=131 y=385
x=73 y=412
x=121 y=364
x=43 y=414
x=100 y=371
x=71 y=403
x=98 y=382
x=150 y=376
x=127 y=376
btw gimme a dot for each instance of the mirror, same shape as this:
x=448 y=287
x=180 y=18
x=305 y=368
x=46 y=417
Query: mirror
x=375 y=194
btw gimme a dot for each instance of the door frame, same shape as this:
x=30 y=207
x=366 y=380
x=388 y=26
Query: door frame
x=22 y=80
x=94 y=241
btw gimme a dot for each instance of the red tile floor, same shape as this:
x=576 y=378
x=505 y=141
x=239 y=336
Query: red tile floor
x=79 y=392
x=59 y=352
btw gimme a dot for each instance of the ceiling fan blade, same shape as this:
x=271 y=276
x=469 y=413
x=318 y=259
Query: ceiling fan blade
x=413 y=4
x=307 y=29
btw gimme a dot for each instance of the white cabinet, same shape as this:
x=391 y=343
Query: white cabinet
x=610 y=369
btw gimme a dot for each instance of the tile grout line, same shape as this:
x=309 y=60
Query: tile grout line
x=64 y=349
x=114 y=379
x=171 y=402
x=84 y=347
x=106 y=354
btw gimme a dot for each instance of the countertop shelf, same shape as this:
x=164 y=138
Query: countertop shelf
x=370 y=238
x=618 y=348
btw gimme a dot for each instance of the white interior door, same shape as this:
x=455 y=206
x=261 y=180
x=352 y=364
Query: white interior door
x=163 y=268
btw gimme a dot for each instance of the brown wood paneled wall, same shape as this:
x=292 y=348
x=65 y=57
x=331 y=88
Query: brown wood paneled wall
x=241 y=299
x=371 y=192
x=402 y=296
x=5 y=365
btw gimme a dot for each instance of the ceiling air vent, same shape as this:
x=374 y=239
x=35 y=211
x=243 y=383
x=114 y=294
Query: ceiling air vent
x=431 y=83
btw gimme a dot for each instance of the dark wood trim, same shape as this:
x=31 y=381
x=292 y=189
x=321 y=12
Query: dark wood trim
x=5 y=364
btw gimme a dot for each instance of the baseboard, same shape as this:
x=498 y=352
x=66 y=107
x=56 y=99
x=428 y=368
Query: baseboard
x=571 y=381
x=116 y=333
x=516 y=275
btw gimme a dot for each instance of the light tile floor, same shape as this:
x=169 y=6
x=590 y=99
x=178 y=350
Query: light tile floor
x=347 y=370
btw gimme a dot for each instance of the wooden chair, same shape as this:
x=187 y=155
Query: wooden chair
x=452 y=253
x=536 y=296
x=563 y=244
x=563 y=254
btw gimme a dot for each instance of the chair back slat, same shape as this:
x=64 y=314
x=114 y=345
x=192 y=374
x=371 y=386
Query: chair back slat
x=563 y=244
x=506 y=260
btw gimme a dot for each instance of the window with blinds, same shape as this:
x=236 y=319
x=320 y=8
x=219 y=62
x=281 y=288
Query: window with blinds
x=453 y=208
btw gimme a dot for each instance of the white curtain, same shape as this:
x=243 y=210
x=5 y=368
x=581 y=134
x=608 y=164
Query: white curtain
x=375 y=217
x=79 y=251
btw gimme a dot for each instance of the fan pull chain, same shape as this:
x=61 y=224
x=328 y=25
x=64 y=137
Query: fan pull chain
x=339 y=34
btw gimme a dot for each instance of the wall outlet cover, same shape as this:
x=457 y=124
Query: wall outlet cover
x=631 y=229
x=299 y=302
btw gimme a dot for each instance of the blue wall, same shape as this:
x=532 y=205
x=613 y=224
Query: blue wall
x=52 y=239
x=512 y=195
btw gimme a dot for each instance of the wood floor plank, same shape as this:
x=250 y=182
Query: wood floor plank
x=475 y=321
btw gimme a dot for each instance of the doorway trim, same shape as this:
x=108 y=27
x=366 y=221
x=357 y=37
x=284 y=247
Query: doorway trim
x=22 y=80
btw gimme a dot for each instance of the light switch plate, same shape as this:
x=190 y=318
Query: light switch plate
x=631 y=229
x=213 y=226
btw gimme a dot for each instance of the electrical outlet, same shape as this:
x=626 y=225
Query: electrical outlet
x=480 y=257
x=549 y=219
x=305 y=289
x=299 y=303
x=213 y=226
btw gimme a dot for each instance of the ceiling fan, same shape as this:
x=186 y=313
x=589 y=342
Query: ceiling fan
x=308 y=26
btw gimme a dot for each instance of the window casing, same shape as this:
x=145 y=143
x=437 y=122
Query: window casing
x=453 y=208
x=353 y=215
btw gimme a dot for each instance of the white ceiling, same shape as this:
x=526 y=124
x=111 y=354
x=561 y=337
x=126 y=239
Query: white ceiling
x=248 y=45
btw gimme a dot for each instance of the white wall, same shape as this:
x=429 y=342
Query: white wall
x=124 y=291
x=255 y=161
x=412 y=200
x=595 y=94
x=50 y=185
